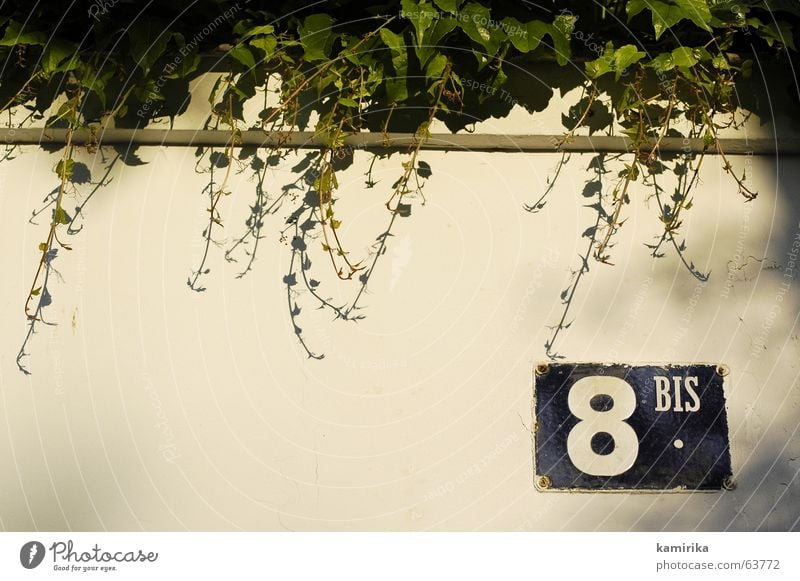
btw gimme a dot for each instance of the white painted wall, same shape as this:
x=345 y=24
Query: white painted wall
x=153 y=407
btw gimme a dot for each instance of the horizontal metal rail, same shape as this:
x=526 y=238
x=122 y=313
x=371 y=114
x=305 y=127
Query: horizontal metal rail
x=395 y=141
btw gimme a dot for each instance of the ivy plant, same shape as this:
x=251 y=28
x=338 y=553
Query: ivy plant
x=648 y=69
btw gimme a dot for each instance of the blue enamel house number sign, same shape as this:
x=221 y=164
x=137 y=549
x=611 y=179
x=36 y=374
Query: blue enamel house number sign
x=613 y=427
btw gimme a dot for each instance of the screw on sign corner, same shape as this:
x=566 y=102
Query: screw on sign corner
x=542 y=368
x=543 y=482
x=722 y=370
x=729 y=483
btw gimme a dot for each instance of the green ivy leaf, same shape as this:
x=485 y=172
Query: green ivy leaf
x=185 y=67
x=720 y=63
x=475 y=21
x=499 y=80
x=780 y=32
x=447 y=5
x=243 y=54
x=257 y=30
x=561 y=32
x=56 y=52
x=16 y=34
x=397 y=45
x=95 y=81
x=148 y=41
x=525 y=36
x=60 y=216
x=436 y=34
x=148 y=91
x=374 y=79
x=64 y=168
x=436 y=67
x=266 y=43
x=366 y=55
x=601 y=65
x=662 y=63
x=627 y=101
x=396 y=89
x=187 y=64
x=666 y=14
x=634 y=7
x=441 y=29
x=317 y=37
x=684 y=57
x=747 y=69
x=422 y=17
x=624 y=57
x=598 y=67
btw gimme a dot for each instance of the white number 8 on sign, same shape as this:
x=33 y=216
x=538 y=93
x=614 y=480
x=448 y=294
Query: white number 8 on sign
x=612 y=421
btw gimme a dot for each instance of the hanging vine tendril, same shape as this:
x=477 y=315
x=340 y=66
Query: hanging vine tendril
x=663 y=70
